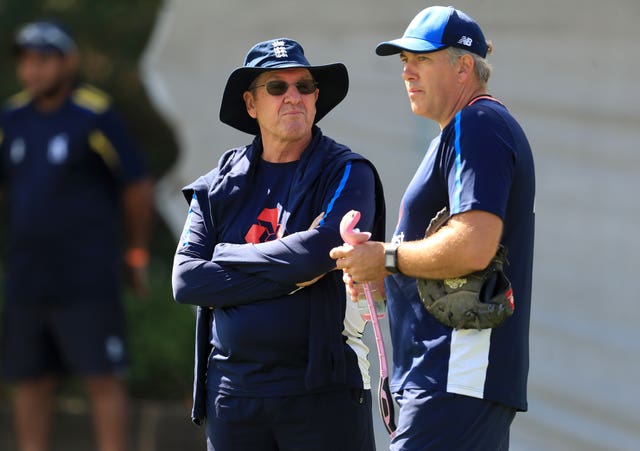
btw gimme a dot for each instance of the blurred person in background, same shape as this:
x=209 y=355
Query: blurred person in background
x=73 y=181
x=280 y=361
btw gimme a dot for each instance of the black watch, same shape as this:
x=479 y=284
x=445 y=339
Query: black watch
x=391 y=258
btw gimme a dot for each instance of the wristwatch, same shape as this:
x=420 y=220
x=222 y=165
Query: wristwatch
x=391 y=258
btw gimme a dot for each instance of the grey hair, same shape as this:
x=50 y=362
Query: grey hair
x=481 y=66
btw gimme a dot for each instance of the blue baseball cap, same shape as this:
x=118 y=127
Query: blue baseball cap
x=278 y=54
x=44 y=36
x=436 y=28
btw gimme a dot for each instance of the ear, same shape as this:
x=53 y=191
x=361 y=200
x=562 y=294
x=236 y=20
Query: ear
x=465 y=67
x=249 y=102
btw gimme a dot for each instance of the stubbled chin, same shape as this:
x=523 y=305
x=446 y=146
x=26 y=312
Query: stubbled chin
x=293 y=120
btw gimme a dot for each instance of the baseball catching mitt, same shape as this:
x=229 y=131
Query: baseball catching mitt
x=480 y=300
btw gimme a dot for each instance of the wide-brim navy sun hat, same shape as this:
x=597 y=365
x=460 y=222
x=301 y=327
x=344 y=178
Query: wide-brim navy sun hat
x=436 y=28
x=278 y=54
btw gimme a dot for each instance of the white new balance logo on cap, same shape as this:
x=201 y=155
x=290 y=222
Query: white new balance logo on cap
x=279 y=49
x=465 y=40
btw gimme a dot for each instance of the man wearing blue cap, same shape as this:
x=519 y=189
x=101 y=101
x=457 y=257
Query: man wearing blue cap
x=71 y=174
x=457 y=388
x=280 y=362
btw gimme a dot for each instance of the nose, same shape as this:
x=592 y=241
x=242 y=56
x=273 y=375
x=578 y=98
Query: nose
x=408 y=72
x=292 y=95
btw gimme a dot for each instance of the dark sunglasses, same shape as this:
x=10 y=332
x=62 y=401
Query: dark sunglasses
x=279 y=87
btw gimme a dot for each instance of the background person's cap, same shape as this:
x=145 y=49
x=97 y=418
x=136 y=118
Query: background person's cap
x=278 y=54
x=43 y=36
x=435 y=28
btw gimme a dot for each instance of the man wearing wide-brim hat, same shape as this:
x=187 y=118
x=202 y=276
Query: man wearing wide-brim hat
x=280 y=363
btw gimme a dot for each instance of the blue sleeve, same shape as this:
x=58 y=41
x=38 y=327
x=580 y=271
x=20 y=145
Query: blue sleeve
x=112 y=141
x=304 y=255
x=199 y=281
x=480 y=164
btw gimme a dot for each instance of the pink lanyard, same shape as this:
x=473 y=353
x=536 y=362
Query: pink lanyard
x=385 y=399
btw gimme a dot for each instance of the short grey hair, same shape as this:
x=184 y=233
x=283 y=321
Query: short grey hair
x=481 y=66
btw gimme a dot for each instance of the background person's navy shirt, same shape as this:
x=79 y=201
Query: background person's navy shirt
x=61 y=173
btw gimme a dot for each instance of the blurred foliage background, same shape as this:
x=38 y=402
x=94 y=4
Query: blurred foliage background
x=112 y=35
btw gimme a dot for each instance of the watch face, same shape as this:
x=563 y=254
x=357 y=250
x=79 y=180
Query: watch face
x=390 y=261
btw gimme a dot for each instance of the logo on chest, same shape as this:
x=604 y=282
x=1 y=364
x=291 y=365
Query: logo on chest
x=267 y=227
x=58 y=149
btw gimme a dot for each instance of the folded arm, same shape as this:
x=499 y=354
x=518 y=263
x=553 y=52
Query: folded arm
x=304 y=255
x=220 y=275
x=199 y=281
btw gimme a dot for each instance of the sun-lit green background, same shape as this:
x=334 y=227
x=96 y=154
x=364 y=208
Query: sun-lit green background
x=111 y=35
